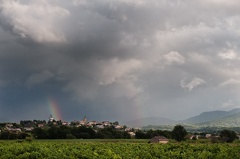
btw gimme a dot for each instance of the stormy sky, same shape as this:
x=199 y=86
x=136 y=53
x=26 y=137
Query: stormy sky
x=118 y=60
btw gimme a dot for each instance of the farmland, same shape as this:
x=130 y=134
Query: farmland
x=117 y=149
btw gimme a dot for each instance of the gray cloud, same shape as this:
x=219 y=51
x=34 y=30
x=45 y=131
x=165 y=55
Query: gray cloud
x=38 y=78
x=120 y=60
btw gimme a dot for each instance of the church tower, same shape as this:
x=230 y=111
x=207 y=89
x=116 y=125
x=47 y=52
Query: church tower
x=85 y=119
x=51 y=118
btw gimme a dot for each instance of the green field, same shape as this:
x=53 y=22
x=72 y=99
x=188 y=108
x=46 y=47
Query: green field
x=115 y=149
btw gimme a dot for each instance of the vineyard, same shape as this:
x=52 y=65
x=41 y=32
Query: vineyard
x=71 y=149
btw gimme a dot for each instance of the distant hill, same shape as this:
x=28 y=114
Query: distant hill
x=210 y=116
x=206 y=119
x=228 y=121
x=149 y=121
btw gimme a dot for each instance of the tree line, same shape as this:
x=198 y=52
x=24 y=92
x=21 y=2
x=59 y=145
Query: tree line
x=178 y=133
x=83 y=132
x=67 y=132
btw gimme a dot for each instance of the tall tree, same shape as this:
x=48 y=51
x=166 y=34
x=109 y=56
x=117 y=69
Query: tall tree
x=179 y=132
x=228 y=135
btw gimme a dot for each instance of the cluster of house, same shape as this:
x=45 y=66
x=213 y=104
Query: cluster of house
x=206 y=136
x=164 y=140
x=11 y=128
x=84 y=122
x=28 y=126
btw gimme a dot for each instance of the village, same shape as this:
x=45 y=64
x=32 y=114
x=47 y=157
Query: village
x=84 y=129
x=28 y=126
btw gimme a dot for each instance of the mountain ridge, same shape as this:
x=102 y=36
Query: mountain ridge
x=205 y=118
x=228 y=121
x=209 y=116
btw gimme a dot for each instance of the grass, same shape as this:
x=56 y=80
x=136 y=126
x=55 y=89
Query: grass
x=96 y=140
x=199 y=141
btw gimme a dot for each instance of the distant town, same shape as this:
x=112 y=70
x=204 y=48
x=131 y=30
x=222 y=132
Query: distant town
x=29 y=125
x=39 y=128
x=84 y=129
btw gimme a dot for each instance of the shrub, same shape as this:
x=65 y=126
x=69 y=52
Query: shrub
x=70 y=136
x=28 y=139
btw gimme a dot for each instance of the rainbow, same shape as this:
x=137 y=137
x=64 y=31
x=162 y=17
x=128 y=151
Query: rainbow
x=54 y=109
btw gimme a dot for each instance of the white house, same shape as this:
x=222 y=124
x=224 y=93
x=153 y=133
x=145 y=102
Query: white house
x=159 y=139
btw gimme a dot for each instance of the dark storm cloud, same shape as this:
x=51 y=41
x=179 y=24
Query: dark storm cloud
x=115 y=59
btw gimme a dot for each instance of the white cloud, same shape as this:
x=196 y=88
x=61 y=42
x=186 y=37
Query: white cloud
x=230 y=54
x=112 y=70
x=230 y=82
x=173 y=58
x=36 y=20
x=195 y=82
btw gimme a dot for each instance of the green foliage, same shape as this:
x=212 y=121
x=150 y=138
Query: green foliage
x=70 y=136
x=6 y=135
x=228 y=135
x=179 y=133
x=28 y=139
x=82 y=132
x=115 y=149
x=151 y=133
x=112 y=133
